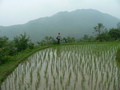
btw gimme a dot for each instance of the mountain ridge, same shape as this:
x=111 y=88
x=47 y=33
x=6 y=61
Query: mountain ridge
x=75 y=23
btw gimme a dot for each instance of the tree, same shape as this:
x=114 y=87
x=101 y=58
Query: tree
x=4 y=57
x=3 y=41
x=114 y=33
x=9 y=48
x=103 y=37
x=85 y=37
x=4 y=50
x=64 y=40
x=21 y=42
x=70 y=39
x=48 y=40
x=99 y=28
x=88 y=38
x=52 y=40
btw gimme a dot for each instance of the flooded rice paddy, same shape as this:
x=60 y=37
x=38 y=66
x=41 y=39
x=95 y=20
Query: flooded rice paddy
x=74 y=67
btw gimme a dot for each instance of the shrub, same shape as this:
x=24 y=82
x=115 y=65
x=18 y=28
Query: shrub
x=31 y=45
x=3 y=41
x=4 y=57
x=21 y=42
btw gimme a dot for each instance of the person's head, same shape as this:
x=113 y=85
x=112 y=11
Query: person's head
x=58 y=33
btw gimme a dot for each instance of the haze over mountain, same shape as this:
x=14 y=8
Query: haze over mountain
x=75 y=24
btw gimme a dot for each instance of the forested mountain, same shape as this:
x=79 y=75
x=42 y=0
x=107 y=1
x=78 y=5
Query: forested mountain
x=75 y=24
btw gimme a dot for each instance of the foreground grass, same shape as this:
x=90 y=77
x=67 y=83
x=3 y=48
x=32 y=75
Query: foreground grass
x=8 y=67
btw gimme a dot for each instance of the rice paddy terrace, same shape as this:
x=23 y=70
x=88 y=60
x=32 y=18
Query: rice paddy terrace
x=67 y=67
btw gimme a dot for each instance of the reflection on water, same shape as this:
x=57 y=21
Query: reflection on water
x=78 y=67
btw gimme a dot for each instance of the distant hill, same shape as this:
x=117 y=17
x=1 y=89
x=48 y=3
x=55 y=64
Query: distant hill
x=75 y=23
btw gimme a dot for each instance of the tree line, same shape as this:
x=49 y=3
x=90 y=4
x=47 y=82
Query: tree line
x=9 y=48
x=100 y=34
x=107 y=35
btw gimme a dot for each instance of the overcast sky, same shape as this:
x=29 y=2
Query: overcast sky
x=21 y=11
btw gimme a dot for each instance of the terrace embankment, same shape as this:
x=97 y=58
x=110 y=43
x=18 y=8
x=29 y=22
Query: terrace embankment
x=9 y=67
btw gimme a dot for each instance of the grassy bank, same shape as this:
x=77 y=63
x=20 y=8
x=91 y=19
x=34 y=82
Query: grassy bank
x=7 y=68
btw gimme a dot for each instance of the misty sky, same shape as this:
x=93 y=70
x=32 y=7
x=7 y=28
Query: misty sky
x=21 y=11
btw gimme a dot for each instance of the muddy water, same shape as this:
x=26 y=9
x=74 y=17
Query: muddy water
x=76 y=67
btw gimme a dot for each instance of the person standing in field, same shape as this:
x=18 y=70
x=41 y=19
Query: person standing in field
x=58 y=38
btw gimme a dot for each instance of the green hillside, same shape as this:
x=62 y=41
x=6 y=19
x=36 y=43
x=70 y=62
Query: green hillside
x=75 y=23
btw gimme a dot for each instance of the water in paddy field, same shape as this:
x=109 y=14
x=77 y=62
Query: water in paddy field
x=75 y=67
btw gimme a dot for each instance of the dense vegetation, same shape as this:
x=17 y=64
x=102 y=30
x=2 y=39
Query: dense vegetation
x=10 y=48
x=107 y=35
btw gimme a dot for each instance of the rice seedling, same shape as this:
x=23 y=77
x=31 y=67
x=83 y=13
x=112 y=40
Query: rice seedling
x=54 y=80
x=22 y=77
x=70 y=67
x=61 y=80
x=47 y=78
x=19 y=85
x=36 y=85
x=31 y=76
